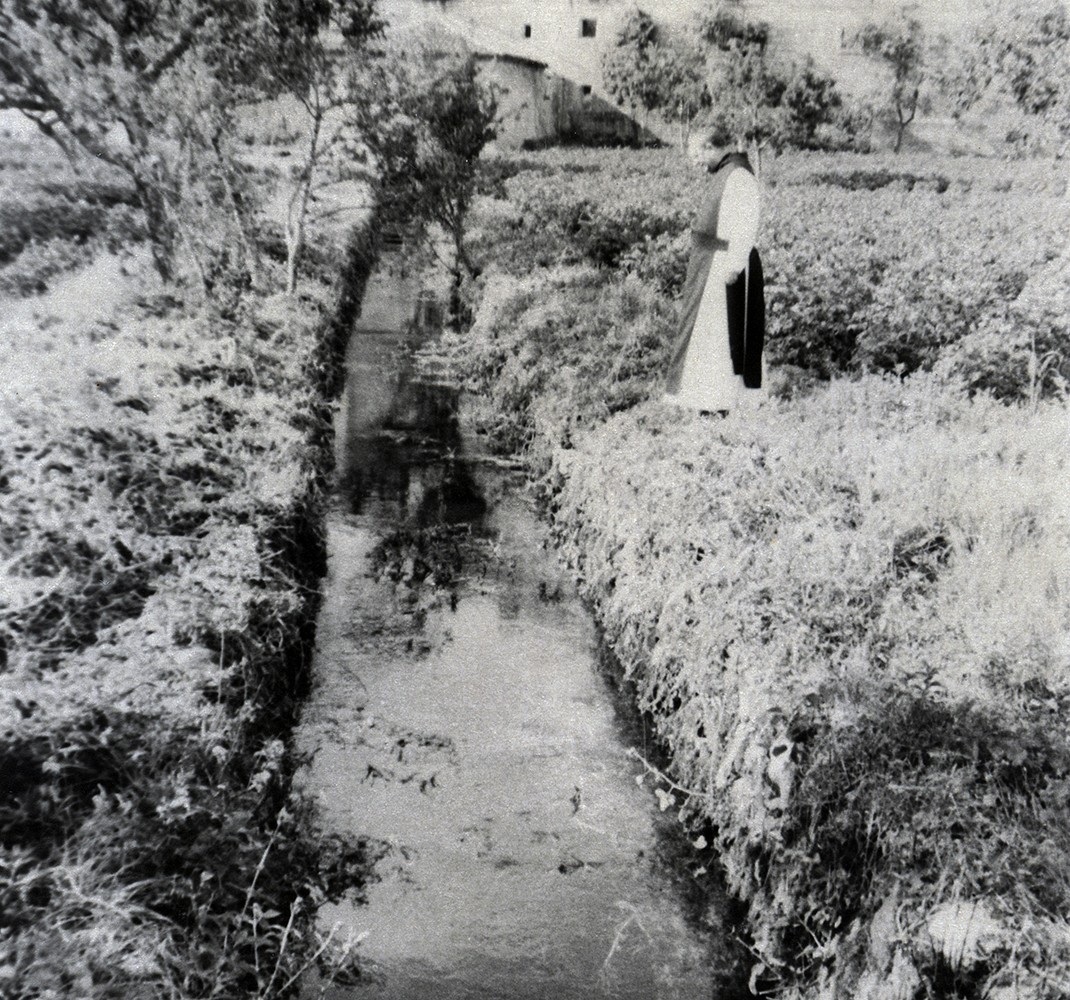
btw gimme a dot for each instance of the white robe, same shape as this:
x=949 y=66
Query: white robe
x=709 y=382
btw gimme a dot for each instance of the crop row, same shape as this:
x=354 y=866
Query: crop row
x=897 y=277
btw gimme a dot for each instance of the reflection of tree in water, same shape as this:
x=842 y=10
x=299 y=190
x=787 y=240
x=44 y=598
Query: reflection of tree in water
x=413 y=456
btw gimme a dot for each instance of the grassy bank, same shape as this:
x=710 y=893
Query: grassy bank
x=162 y=487
x=845 y=609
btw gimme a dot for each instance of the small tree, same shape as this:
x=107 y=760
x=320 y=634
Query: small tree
x=746 y=90
x=648 y=70
x=899 y=43
x=630 y=68
x=313 y=49
x=813 y=105
x=679 y=72
x=426 y=119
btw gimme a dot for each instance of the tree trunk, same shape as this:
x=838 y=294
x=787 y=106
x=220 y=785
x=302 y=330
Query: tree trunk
x=295 y=222
x=163 y=235
x=151 y=183
x=295 y=236
x=247 y=245
x=460 y=263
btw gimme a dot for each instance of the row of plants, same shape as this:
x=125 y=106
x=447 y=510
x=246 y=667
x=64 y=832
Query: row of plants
x=842 y=608
x=163 y=469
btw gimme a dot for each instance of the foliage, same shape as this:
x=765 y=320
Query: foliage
x=761 y=100
x=724 y=26
x=1022 y=350
x=747 y=92
x=560 y=351
x=1018 y=51
x=425 y=119
x=723 y=76
x=816 y=117
x=154 y=89
x=628 y=67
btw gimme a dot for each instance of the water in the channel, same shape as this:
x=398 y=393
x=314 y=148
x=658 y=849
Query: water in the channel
x=471 y=730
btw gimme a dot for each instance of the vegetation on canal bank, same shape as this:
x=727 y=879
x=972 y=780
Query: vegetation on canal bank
x=844 y=608
x=163 y=457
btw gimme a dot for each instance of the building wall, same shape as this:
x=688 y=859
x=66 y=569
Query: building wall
x=527 y=99
x=536 y=107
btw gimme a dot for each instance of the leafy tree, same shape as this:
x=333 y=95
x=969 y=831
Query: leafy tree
x=426 y=118
x=679 y=72
x=649 y=70
x=104 y=75
x=747 y=90
x=899 y=43
x=813 y=104
x=630 y=67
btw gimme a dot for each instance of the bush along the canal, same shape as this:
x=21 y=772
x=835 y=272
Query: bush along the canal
x=845 y=612
x=162 y=495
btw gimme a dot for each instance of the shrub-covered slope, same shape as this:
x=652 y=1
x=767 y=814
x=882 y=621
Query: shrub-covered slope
x=844 y=608
x=848 y=623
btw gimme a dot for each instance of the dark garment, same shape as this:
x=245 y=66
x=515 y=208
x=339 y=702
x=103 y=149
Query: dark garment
x=745 y=295
x=746 y=321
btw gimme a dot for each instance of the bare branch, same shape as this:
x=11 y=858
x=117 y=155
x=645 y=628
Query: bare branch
x=181 y=46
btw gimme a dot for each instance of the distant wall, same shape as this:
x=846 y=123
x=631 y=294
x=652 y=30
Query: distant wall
x=527 y=99
x=536 y=106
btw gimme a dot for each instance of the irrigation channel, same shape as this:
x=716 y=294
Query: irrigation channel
x=464 y=718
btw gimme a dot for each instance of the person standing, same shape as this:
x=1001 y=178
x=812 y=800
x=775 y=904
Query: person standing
x=721 y=333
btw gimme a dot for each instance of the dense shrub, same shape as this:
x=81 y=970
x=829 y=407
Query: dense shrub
x=71 y=214
x=561 y=351
x=857 y=673
x=1021 y=351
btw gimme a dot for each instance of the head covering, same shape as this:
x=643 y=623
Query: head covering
x=730 y=159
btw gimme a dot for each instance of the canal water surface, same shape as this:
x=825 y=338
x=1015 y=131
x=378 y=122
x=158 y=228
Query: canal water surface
x=461 y=718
